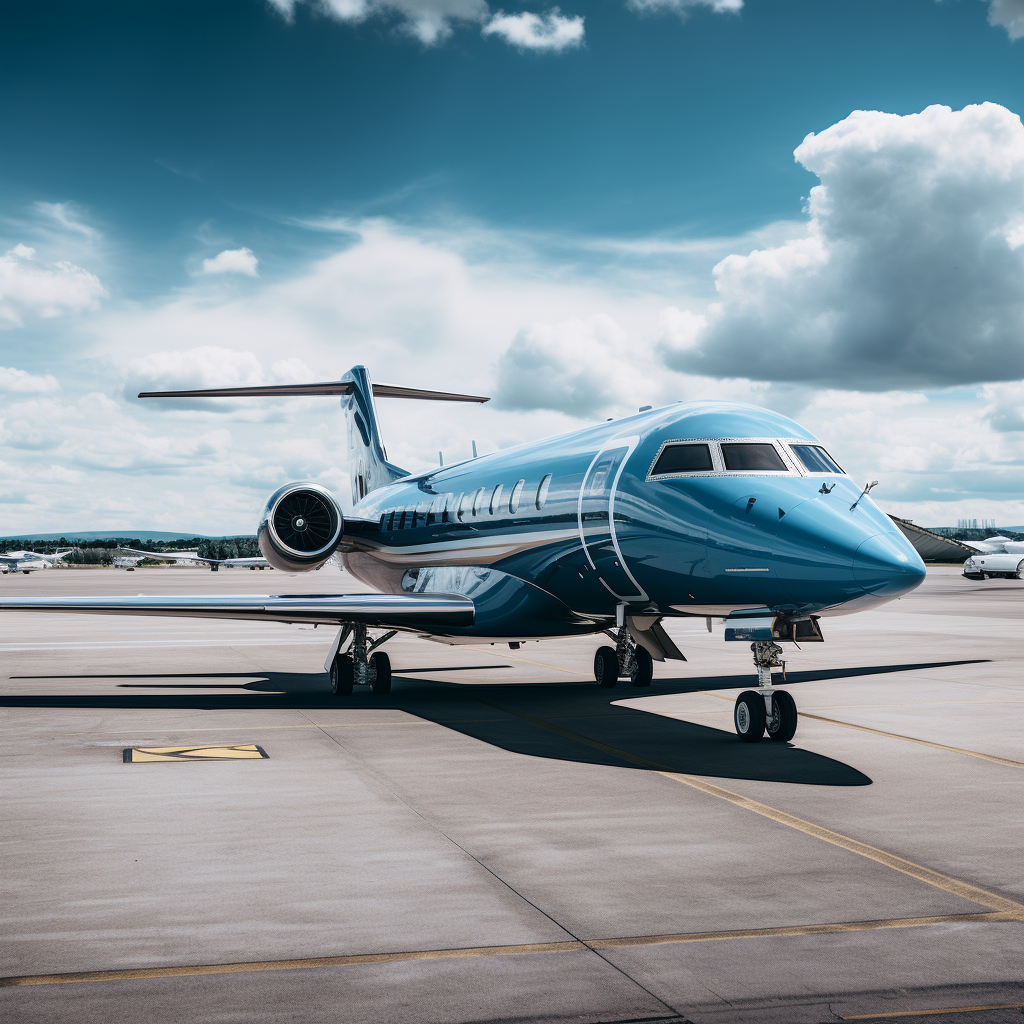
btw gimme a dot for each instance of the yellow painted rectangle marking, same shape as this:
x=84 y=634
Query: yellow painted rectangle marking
x=235 y=752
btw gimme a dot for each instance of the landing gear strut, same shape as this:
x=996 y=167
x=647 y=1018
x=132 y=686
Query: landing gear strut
x=765 y=709
x=357 y=663
x=627 y=659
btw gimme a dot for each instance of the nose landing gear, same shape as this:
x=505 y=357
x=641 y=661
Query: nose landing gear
x=765 y=709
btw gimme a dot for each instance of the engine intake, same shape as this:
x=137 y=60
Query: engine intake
x=300 y=528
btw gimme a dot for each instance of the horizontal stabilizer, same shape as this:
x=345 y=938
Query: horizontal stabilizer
x=387 y=610
x=333 y=387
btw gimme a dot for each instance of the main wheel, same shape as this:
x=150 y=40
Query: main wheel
x=749 y=717
x=782 y=724
x=643 y=667
x=381 y=663
x=606 y=667
x=342 y=675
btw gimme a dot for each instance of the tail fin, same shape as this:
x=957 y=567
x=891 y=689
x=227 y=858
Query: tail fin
x=370 y=467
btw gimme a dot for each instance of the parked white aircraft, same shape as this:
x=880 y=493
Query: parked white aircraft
x=997 y=557
x=29 y=561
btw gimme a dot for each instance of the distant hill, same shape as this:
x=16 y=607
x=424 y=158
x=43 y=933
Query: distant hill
x=114 y=535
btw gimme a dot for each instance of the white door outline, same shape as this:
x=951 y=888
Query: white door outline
x=630 y=444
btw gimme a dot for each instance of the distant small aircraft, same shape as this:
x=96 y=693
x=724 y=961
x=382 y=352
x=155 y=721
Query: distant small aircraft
x=258 y=562
x=29 y=561
x=698 y=510
x=997 y=558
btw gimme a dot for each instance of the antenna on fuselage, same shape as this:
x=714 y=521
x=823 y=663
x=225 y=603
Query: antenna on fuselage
x=440 y=458
x=473 y=443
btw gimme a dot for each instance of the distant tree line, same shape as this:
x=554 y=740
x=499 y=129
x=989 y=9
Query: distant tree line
x=229 y=547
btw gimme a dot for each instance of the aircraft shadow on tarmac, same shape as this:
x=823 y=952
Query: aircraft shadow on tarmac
x=563 y=721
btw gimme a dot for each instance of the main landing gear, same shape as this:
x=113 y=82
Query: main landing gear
x=626 y=659
x=765 y=709
x=358 y=664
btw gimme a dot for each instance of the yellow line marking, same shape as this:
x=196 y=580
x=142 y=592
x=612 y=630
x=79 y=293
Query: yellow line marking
x=241 y=751
x=931 y=1013
x=934 y=878
x=809 y=929
x=913 y=739
x=890 y=860
x=570 y=946
x=896 y=735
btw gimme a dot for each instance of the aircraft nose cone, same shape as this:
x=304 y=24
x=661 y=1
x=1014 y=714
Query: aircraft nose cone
x=887 y=566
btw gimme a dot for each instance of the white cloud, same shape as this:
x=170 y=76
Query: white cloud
x=558 y=340
x=233 y=261
x=429 y=21
x=684 y=7
x=1008 y=14
x=909 y=273
x=1005 y=409
x=14 y=381
x=28 y=288
x=528 y=31
x=67 y=216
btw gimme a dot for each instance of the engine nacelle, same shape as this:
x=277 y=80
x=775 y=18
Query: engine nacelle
x=300 y=528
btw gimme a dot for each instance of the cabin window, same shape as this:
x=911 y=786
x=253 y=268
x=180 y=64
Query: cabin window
x=513 y=498
x=815 y=458
x=400 y=525
x=444 y=508
x=459 y=505
x=683 y=458
x=542 y=492
x=478 y=501
x=495 y=500
x=383 y=521
x=753 y=458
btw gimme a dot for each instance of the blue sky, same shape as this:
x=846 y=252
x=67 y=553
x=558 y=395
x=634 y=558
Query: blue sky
x=448 y=190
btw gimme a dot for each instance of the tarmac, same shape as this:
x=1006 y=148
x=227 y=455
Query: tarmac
x=500 y=839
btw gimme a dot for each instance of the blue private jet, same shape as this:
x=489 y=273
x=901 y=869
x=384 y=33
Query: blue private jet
x=713 y=510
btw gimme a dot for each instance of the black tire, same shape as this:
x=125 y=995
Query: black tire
x=643 y=667
x=606 y=667
x=342 y=675
x=782 y=725
x=381 y=684
x=748 y=716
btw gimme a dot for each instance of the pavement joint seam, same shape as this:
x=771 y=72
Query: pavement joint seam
x=575 y=940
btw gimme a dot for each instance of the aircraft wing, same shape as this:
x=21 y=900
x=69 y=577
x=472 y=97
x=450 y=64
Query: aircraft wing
x=396 y=611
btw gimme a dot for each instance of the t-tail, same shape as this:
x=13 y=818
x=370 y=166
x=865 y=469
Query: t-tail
x=302 y=524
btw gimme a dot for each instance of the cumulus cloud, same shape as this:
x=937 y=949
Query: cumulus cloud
x=684 y=7
x=1008 y=14
x=29 y=288
x=14 y=381
x=233 y=261
x=911 y=271
x=429 y=21
x=1005 y=409
x=528 y=31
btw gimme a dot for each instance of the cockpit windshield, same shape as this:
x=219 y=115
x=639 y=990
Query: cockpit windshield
x=683 y=458
x=753 y=457
x=815 y=458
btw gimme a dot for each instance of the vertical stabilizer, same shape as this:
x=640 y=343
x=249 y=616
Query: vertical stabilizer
x=368 y=461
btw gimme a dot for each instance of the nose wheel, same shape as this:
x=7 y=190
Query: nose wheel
x=765 y=710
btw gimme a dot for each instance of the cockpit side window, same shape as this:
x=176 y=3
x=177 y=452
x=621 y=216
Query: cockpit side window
x=815 y=458
x=753 y=457
x=683 y=458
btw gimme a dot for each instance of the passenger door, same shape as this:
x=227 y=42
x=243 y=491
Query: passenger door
x=596 y=520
